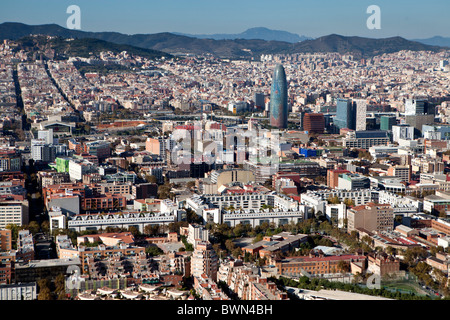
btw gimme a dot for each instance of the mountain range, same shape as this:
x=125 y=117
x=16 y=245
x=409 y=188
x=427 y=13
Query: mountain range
x=260 y=33
x=227 y=48
x=435 y=41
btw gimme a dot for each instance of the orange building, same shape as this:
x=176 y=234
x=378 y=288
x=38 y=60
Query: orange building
x=5 y=240
x=317 y=265
x=104 y=202
x=154 y=146
x=333 y=177
x=314 y=122
x=76 y=146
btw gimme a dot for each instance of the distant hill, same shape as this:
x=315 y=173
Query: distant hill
x=435 y=41
x=362 y=47
x=84 y=47
x=243 y=48
x=258 y=33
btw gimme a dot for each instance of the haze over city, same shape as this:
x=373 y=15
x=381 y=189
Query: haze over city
x=409 y=19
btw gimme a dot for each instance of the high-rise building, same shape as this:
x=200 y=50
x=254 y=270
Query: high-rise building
x=204 y=260
x=345 y=114
x=371 y=216
x=5 y=239
x=361 y=114
x=314 y=122
x=418 y=106
x=41 y=151
x=279 y=99
x=13 y=212
x=46 y=135
x=259 y=100
x=10 y=160
x=386 y=122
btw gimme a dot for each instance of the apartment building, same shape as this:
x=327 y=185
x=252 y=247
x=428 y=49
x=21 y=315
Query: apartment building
x=78 y=168
x=112 y=188
x=263 y=289
x=401 y=172
x=103 y=252
x=10 y=160
x=197 y=233
x=25 y=246
x=51 y=178
x=371 y=216
x=204 y=261
x=175 y=263
x=208 y=289
x=441 y=262
x=76 y=146
x=14 y=212
x=5 y=240
x=7 y=264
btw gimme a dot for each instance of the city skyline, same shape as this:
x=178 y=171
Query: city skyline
x=411 y=20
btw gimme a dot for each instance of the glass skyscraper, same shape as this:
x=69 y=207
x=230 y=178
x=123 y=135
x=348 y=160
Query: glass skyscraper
x=278 y=99
x=345 y=114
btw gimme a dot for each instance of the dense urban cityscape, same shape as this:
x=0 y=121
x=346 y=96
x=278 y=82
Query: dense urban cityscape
x=306 y=176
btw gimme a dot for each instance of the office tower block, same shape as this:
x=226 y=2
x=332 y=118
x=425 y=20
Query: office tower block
x=278 y=99
x=361 y=114
x=345 y=114
x=418 y=106
x=259 y=100
x=386 y=122
x=314 y=122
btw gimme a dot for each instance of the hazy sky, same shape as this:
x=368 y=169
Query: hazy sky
x=410 y=19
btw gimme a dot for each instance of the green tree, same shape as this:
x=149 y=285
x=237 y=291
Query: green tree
x=333 y=200
x=44 y=290
x=34 y=227
x=151 y=178
x=153 y=251
x=45 y=226
x=60 y=287
x=349 y=202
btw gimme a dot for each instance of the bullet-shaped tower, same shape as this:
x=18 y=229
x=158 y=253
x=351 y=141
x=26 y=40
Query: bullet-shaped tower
x=278 y=99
